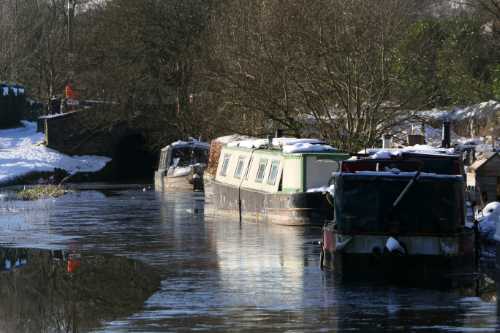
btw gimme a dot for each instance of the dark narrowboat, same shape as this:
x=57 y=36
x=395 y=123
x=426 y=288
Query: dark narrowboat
x=399 y=216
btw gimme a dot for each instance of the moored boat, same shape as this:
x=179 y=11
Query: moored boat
x=181 y=166
x=280 y=180
x=399 y=215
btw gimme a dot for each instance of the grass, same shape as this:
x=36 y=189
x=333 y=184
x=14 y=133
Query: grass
x=41 y=192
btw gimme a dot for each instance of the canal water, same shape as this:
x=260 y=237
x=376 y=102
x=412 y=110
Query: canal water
x=140 y=261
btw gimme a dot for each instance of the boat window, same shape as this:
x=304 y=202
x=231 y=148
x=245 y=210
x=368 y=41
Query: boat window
x=271 y=180
x=163 y=159
x=261 y=170
x=239 y=167
x=248 y=167
x=225 y=164
x=200 y=155
x=183 y=156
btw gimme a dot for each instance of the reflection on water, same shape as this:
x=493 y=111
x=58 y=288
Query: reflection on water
x=59 y=291
x=220 y=275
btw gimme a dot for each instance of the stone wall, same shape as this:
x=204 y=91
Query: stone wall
x=97 y=131
x=82 y=133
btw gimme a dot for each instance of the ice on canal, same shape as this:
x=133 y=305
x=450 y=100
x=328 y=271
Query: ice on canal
x=220 y=275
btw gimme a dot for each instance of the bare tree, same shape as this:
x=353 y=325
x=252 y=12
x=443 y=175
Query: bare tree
x=297 y=64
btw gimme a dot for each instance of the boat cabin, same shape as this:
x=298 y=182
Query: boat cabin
x=181 y=166
x=406 y=161
x=273 y=169
x=183 y=154
x=405 y=192
x=283 y=180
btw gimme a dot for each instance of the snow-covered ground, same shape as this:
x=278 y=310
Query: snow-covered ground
x=433 y=135
x=480 y=110
x=22 y=152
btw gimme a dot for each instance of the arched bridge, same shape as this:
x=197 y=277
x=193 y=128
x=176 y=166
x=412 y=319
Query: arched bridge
x=96 y=131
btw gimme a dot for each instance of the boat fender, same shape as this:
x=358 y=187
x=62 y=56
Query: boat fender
x=342 y=242
x=321 y=258
x=392 y=245
x=329 y=199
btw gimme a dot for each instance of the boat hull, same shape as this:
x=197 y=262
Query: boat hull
x=425 y=262
x=186 y=183
x=295 y=209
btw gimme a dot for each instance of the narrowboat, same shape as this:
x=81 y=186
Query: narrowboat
x=181 y=166
x=281 y=180
x=400 y=216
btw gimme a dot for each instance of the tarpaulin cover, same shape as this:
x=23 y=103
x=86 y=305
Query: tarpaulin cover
x=444 y=165
x=213 y=160
x=364 y=204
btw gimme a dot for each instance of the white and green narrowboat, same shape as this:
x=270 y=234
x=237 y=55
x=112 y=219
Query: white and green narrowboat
x=282 y=181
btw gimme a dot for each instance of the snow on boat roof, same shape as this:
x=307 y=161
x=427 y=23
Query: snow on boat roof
x=400 y=174
x=288 y=145
x=388 y=153
x=190 y=144
x=231 y=138
x=307 y=147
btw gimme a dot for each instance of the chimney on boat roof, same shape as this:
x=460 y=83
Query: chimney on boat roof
x=415 y=139
x=446 y=134
x=386 y=141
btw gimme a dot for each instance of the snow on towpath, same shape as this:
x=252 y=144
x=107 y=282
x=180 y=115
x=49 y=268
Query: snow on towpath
x=21 y=153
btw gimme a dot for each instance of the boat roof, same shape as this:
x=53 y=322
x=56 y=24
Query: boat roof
x=483 y=161
x=421 y=150
x=188 y=144
x=425 y=159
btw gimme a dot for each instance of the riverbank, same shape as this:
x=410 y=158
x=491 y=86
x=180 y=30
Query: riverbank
x=25 y=159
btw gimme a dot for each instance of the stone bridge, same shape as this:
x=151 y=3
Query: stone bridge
x=96 y=131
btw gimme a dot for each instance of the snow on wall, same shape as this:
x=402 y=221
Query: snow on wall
x=22 y=152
